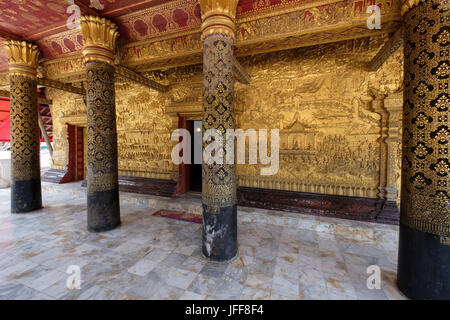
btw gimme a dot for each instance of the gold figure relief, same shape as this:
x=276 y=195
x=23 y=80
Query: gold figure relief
x=321 y=105
x=318 y=97
x=144 y=131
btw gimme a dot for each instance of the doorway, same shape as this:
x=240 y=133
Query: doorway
x=80 y=154
x=195 y=176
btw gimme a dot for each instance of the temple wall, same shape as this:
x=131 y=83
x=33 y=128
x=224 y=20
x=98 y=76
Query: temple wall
x=320 y=99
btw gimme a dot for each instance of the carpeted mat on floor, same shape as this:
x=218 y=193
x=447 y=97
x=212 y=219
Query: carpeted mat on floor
x=179 y=215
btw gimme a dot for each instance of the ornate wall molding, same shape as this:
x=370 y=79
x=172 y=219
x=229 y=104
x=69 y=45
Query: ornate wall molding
x=136 y=77
x=61 y=86
x=392 y=45
x=70 y=68
x=304 y=24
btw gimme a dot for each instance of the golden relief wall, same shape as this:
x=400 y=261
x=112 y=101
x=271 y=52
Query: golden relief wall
x=67 y=108
x=143 y=129
x=322 y=99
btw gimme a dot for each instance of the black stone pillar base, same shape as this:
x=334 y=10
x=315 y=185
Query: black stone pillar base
x=220 y=234
x=103 y=210
x=26 y=196
x=423 y=265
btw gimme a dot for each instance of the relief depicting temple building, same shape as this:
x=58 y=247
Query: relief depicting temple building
x=361 y=110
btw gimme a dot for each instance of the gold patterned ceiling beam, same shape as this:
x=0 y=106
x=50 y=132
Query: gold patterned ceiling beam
x=240 y=74
x=7 y=94
x=136 y=77
x=61 y=86
x=304 y=27
x=391 y=46
x=254 y=36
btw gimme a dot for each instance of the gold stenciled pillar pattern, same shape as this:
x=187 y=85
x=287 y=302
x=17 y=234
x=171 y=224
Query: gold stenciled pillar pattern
x=99 y=40
x=25 y=145
x=424 y=240
x=219 y=180
x=425 y=204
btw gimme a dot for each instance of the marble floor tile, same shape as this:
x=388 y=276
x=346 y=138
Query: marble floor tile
x=15 y=270
x=15 y=291
x=259 y=281
x=286 y=287
x=249 y=293
x=188 y=295
x=281 y=255
x=214 y=270
x=193 y=264
x=205 y=285
x=180 y=278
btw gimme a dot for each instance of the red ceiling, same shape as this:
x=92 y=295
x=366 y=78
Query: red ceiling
x=114 y=8
x=44 y=21
x=23 y=18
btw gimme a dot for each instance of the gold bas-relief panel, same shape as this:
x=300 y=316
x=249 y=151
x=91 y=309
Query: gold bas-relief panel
x=66 y=108
x=143 y=131
x=320 y=98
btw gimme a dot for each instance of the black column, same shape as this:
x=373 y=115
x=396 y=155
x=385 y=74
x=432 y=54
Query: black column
x=219 y=180
x=25 y=146
x=102 y=166
x=424 y=248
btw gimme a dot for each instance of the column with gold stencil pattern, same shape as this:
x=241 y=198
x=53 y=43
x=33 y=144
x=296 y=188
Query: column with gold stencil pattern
x=424 y=247
x=99 y=44
x=219 y=180
x=26 y=194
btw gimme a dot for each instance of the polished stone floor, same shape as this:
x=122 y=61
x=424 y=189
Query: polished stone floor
x=281 y=255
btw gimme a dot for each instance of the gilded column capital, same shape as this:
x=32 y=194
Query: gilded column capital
x=22 y=58
x=99 y=39
x=409 y=4
x=218 y=17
